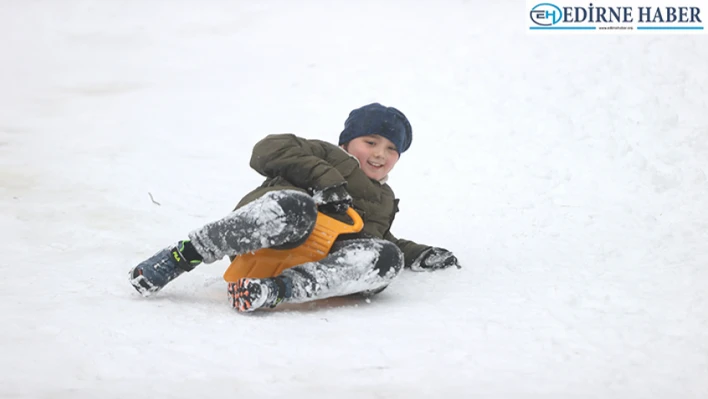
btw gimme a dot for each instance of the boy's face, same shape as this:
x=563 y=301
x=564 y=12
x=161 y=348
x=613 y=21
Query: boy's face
x=376 y=154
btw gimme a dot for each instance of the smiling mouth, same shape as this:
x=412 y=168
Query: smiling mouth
x=375 y=165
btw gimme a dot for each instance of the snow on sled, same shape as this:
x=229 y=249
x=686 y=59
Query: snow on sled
x=268 y=262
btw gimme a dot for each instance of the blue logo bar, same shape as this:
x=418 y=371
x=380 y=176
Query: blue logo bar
x=562 y=27
x=669 y=28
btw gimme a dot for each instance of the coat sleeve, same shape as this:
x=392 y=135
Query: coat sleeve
x=411 y=250
x=301 y=162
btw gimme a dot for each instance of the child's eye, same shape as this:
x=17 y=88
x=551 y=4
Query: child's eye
x=392 y=148
x=370 y=143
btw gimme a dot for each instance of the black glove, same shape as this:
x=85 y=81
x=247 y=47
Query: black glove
x=434 y=259
x=333 y=199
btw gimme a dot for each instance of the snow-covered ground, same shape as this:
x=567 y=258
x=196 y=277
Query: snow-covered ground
x=568 y=173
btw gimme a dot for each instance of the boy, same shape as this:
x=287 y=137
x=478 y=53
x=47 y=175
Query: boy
x=302 y=177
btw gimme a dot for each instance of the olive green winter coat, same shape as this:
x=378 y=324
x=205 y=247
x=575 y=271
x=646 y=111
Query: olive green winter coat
x=290 y=162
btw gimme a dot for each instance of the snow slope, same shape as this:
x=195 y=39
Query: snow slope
x=568 y=173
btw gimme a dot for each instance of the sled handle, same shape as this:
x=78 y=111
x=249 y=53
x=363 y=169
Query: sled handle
x=335 y=225
x=358 y=222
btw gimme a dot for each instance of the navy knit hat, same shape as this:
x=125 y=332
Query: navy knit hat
x=378 y=119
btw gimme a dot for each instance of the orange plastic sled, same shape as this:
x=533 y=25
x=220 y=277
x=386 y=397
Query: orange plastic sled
x=270 y=262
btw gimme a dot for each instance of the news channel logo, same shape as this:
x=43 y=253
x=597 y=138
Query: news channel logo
x=628 y=17
x=546 y=14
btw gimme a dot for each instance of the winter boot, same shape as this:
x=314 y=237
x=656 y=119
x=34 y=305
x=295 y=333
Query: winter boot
x=249 y=294
x=154 y=273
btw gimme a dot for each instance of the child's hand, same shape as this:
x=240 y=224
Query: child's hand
x=434 y=259
x=333 y=199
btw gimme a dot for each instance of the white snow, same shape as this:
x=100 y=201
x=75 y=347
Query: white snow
x=567 y=173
